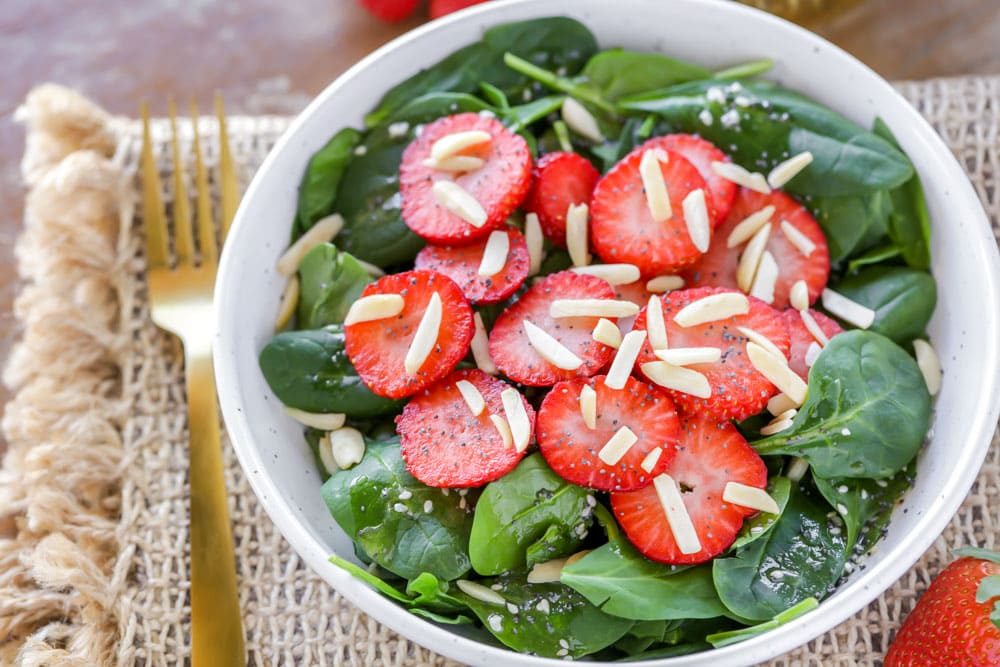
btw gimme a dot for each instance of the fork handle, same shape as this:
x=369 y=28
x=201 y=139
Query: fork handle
x=216 y=629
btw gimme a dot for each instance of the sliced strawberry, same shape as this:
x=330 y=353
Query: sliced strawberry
x=571 y=447
x=621 y=226
x=636 y=293
x=439 y=8
x=378 y=348
x=518 y=360
x=445 y=445
x=560 y=179
x=499 y=186
x=702 y=153
x=461 y=264
x=710 y=455
x=718 y=266
x=738 y=389
x=801 y=337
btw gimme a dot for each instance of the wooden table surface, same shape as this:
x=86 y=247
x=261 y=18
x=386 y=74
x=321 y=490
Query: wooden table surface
x=267 y=56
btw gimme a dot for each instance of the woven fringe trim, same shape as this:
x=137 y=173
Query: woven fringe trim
x=58 y=588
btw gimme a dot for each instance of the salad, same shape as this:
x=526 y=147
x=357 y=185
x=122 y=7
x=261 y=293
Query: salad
x=605 y=354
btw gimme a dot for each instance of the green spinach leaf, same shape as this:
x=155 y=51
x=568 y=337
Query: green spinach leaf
x=903 y=299
x=318 y=188
x=520 y=510
x=617 y=73
x=910 y=223
x=720 y=639
x=877 y=255
x=330 y=281
x=852 y=224
x=779 y=488
x=866 y=414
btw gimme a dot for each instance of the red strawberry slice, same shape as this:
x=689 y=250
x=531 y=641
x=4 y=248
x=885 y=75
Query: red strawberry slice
x=621 y=226
x=801 y=337
x=738 y=389
x=710 y=455
x=718 y=266
x=499 y=186
x=445 y=445
x=461 y=264
x=390 y=10
x=702 y=153
x=441 y=8
x=571 y=447
x=378 y=348
x=560 y=179
x=518 y=360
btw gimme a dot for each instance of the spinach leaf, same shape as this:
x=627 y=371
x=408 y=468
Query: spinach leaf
x=623 y=583
x=309 y=370
x=520 y=510
x=674 y=651
x=549 y=620
x=617 y=73
x=745 y=70
x=644 y=634
x=773 y=123
x=720 y=639
x=877 y=255
x=330 y=281
x=798 y=559
x=866 y=414
x=779 y=488
x=434 y=105
x=318 y=188
x=853 y=223
x=910 y=223
x=903 y=299
x=385 y=509
x=554 y=42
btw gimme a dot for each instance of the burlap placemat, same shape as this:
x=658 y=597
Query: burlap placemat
x=93 y=488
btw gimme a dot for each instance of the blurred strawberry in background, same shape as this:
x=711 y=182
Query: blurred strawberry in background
x=441 y=7
x=399 y=10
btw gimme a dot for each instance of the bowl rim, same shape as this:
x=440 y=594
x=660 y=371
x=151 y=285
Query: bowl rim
x=772 y=643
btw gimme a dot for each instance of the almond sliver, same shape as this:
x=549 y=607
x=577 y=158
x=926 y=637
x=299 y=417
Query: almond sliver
x=776 y=370
x=799 y=295
x=713 y=308
x=426 y=336
x=472 y=396
x=577 y=217
x=789 y=169
x=657 y=196
x=696 y=219
x=455 y=143
x=617 y=446
x=480 y=592
x=592 y=308
x=548 y=572
x=749 y=226
x=615 y=274
x=929 y=365
x=535 y=241
x=813 y=327
x=779 y=404
x=550 y=349
x=374 y=307
x=751 y=497
x=812 y=353
x=481 y=347
x=459 y=201
x=750 y=259
x=736 y=174
x=663 y=284
x=776 y=426
x=847 y=310
x=686 y=356
x=347 y=446
x=797 y=238
x=651 y=459
x=761 y=340
x=766 y=278
x=494 y=254
x=581 y=121
x=503 y=429
x=677 y=515
x=607 y=333
x=517 y=418
x=322 y=421
x=677 y=378
x=287 y=305
x=624 y=361
x=588 y=406
x=656 y=329
x=457 y=164
x=322 y=232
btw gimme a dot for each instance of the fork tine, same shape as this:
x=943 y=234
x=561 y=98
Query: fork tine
x=229 y=188
x=206 y=230
x=153 y=219
x=183 y=240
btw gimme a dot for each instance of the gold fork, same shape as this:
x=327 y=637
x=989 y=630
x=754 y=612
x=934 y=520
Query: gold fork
x=180 y=297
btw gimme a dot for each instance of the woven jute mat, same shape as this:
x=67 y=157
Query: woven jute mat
x=93 y=487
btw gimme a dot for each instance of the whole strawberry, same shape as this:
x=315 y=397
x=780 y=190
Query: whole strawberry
x=957 y=621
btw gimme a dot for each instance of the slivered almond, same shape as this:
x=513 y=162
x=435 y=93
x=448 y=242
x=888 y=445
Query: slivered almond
x=799 y=295
x=776 y=426
x=740 y=176
x=929 y=365
x=712 y=308
x=481 y=347
x=577 y=556
x=847 y=310
x=761 y=340
x=813 y=327
x=750 y=259
x=617 y=446
x=789 y=169
x=624 y=361
x=775 y=369
x=686 y=356
x=750 y=496
x=549 y=349
x=480 y=592
x=456 y=142
x=749 y=226
x=426 y=336
x=323 y=421
x=780 y=404
x=502 y=427
x=615 y=274
x=797 y=469
x=588 y=406
x=472 y=396
x=787 y=414
x=607 y=333
x=651 y=459
x=326 y=454
x=494 y=254
x=655 y=188
x=548 y=572
x=457 y=164
x=592 y=308
x=457 y=199
x=656 y=329
x=696 y=219
x=517 y=418
x=766 y=278
x=677 y=515
x=289 y=301
x=581 y=121
x=577 y=217
x=812 y=353
x=677 y=378
x=797 y=238
x=374 y=307
x=662 y=284
x=322 y=232
x=535 y=240
x=347 y=446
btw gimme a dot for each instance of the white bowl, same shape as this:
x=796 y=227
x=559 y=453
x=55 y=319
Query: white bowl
x=965 y=327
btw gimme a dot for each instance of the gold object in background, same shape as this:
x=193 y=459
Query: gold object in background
x=803 y=11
